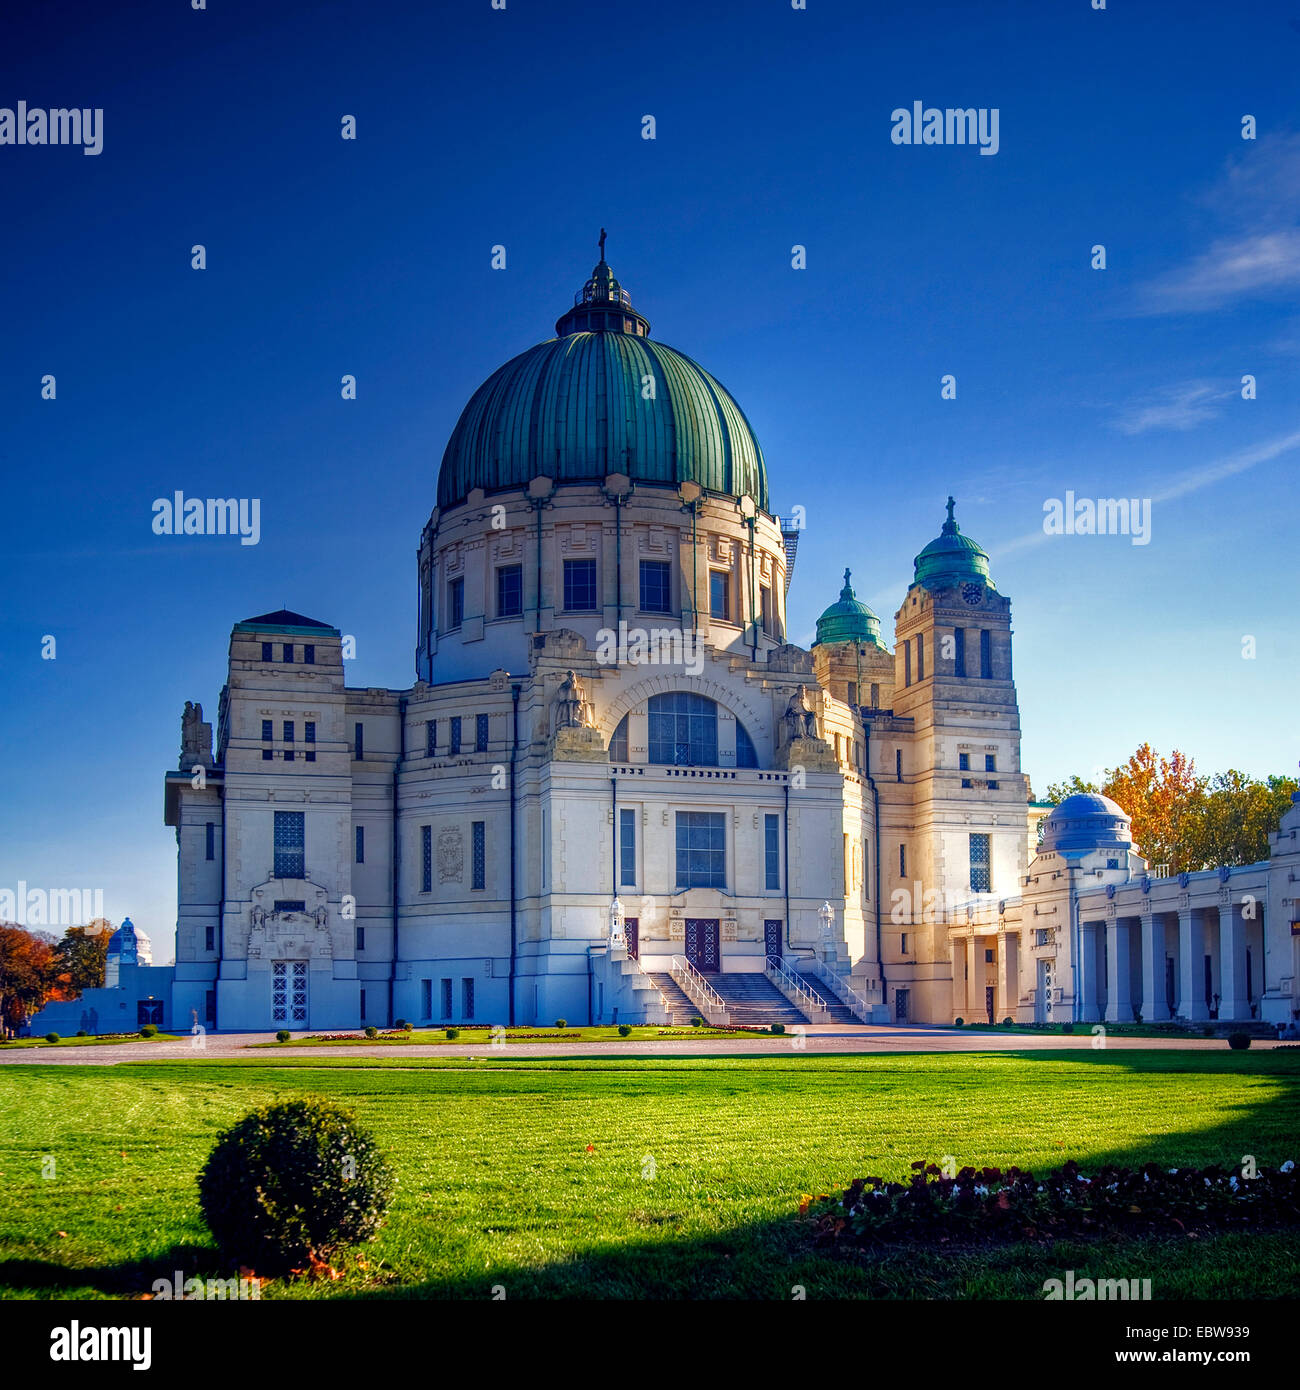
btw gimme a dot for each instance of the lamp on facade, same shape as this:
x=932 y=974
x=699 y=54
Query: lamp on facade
x=616 y=919
x=826 y=914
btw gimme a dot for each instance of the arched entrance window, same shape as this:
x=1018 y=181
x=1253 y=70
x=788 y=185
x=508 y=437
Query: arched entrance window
x=682 y=730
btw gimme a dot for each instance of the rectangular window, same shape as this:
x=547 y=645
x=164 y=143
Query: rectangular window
x=965 y=781
x=267 y=754
x=510 y=591
x=902 y=943
x=455 y=604
x=267 y=652
x=993 y=786
x=454 y=744
x=446 y=999
x=959 y=651
x=426 y=859
x=426 y=998
x=1041 y=936
x=364 y=1015
x=701 y=849
x=309 y=736
x=875 y=695
x=990 y=762
x=211 y=847
x=290 y=844
x=986 y=654
x=979 y=863
x=209 y=938
x=902 y=861
x=626 y=847
x=431 y=738
x=309 y=655
x=359 y=741
x=480 y=733
x=361 y=938
x=359 y=836
x=720 y=595
x=288 y=730
x=765 y=614
x=898 y=764
x=656 y=587
x=579 y=586
x=772 y=852
x=920 y=656
x=478 y=865
x=286 y=652
x=466 y=998
x=907 y=663
x=268 y=730
x=963 y=762
x=288 y=755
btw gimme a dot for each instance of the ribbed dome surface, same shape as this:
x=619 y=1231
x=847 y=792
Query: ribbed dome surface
x=1087 y=821
x=849 y=620
x=575 y=409
x=951 y=558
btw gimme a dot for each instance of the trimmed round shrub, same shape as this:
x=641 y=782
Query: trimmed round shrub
x=81 y=1033
x=282 y=1035
x=453 y=1034
x=150 y=1030
x=1006 y=1022
x=371 y=1031
x=561 y=1022
x=51 y=1037
x=1239 y=1042
x=292 y=1182
x=697 y=1022
x=959 y=1023
x=625 y=1030
x=399 y=1023
x=1067 y=1028
x=408 y=1026
x=778 y=1027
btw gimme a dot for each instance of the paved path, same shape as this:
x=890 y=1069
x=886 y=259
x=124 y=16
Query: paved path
x=817 y=1038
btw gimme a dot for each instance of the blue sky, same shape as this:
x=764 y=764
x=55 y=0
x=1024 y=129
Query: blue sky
x=523 y=127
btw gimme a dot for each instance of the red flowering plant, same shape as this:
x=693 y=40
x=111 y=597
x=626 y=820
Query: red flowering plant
x=1011 y=1203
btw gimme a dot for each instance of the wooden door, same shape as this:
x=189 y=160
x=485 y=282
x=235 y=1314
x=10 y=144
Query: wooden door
x=772 y=934
x=702 y=944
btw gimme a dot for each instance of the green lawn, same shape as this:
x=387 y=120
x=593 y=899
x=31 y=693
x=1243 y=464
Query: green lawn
x=482 y=1036
x=497 y=1185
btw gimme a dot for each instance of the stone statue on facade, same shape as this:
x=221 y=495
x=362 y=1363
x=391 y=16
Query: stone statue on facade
x=571 y=704
x=196 y=738
x=800 y=718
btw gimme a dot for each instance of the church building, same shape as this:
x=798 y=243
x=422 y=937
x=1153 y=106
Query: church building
x=615 y=791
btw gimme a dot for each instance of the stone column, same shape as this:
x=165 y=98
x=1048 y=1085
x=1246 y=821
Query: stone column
x=960 y=947
x=1155 y=1007
x=1191 y=949
x=1233 y=1003
x=1009 y=975
x=1119 y=1003
x=976 y=1010
x=1089 y=970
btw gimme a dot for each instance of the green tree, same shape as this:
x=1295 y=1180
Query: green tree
x=1234 y=818
x=81 y=957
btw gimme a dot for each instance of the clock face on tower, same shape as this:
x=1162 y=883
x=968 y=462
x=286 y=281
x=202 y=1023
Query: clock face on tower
x=972 y=594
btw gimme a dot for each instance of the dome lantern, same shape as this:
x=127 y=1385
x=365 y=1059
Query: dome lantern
x=951 y=558
x=602 y=305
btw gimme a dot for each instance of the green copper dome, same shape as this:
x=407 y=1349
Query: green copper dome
x=602 y=398
x=952 y=558
x=849 y=620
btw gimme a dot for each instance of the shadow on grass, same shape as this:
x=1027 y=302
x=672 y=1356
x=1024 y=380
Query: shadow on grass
x=126 y=1280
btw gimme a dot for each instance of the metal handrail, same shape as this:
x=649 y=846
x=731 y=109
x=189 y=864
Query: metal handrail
x=788 y=984
x=663 y=998
x=856 y=1002
x=690 y=979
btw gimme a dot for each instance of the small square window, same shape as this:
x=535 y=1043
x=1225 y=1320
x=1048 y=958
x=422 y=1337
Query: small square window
x=267 y=754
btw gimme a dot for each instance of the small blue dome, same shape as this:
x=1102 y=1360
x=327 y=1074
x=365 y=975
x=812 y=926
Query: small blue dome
x=1087 y=821
x=130 y=945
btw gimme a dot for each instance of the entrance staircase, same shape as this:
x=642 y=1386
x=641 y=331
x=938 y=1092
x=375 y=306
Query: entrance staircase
x=835 y=1010
x=681 y=1009
x=754 y=1001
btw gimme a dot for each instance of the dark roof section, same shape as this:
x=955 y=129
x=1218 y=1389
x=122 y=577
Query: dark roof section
x=282 y=617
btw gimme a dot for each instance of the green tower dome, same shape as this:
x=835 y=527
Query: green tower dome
x=849 y=620
x=602 y=397
x=952 y=558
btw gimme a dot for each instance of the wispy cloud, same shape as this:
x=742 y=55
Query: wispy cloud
x=1179 y=407
x=1191 y=481
x=1256 y=252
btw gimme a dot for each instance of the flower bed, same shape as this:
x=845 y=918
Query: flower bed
x=1011 y=1204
